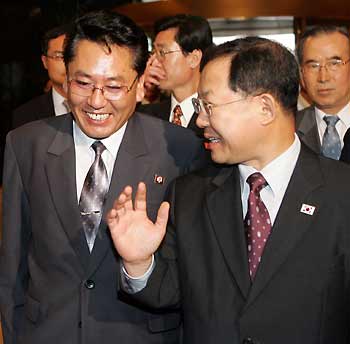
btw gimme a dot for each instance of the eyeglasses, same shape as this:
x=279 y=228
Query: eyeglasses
x=86 y=89
x=56 y=56
x=162 y=53
x=333 y=65
x=200 y=104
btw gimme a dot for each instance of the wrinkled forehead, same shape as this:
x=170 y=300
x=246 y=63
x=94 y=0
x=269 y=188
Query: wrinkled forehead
x=326 y=46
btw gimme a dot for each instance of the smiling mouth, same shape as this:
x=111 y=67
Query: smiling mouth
x=97 y=116
x=213 y=139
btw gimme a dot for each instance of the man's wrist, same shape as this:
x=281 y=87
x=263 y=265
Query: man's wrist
x=137 y=269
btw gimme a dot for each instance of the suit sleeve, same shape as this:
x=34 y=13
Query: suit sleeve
x=14 y=247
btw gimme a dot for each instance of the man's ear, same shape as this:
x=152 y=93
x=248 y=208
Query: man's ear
x=44 y=61
x=194 y=58
x=268 y=107
x=140 y=90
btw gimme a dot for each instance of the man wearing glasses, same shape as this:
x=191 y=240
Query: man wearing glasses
x=324 y=55
x=53 y=102
x=58 y=268
x=254 y=249
x=179 y=44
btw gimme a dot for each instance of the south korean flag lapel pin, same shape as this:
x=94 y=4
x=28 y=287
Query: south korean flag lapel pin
x=158 y=179
x=307 y=209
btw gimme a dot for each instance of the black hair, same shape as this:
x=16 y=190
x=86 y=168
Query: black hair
x=108 y=28
x=193 y=32
x=227 y=49
x=316 y=31
x=52 y=34
x=258 y=66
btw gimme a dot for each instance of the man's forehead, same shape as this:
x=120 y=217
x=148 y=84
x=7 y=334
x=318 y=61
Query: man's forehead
x=327 y=44
x=215 y=75
x=166 y=36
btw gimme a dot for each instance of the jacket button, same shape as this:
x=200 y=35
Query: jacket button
x=79 y=324
x=89 y=284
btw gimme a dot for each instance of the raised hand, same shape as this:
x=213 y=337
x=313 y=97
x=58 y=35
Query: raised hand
x=154 y=72
x=134 y=235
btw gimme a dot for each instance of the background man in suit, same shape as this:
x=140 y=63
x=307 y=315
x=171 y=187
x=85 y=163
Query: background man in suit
x=257 y=248
x=324 y=55
x=179 y=44
x=53 y=102
x=58 y=268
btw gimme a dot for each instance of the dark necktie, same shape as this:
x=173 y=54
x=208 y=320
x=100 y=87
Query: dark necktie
x=93 y=195
x=177 y=115
x=257 y=222
x=331 y=146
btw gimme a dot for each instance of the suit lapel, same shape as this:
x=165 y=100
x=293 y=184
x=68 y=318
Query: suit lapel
x=132 y=164
x=60 y=170
x=228 y=224
x=307 y=130
x=290 y=224
x=46 y=107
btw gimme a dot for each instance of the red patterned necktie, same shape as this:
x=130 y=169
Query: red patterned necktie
x=177 y=115
x=257 y=222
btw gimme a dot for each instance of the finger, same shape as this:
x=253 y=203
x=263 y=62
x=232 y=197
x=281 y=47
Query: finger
x=156 y=72
x=151 y=82
x=140 y=197
x=162 y=216
x=124 y=201
x=151 y=60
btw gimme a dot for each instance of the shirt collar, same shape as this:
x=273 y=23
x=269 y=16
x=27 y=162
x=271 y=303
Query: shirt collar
x=343 y=114
x=186 y=106
x=58 y=100
x=111 y=143
x=278 y=172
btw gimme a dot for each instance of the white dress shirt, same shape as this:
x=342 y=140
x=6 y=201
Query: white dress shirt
x=277 y=174
x=59 y=103
x=85 y=155
x=341 y=126
x=186 y=107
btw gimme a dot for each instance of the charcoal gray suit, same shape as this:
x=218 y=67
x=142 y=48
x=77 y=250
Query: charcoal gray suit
x=52 y=290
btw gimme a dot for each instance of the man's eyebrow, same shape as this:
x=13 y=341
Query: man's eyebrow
x=335 y=57
x=86 y=75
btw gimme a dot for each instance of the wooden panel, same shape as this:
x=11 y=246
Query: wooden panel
x=146 y=13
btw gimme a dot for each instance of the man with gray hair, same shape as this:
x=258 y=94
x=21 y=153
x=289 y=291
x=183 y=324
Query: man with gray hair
x=324 y=56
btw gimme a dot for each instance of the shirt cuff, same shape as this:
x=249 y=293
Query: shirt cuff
x=133 y=285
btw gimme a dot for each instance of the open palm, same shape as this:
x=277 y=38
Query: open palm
x=134 y=235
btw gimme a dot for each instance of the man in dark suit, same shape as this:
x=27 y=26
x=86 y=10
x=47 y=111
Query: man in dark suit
x=180 y=42
x=58 y=268
x=324 y=54
x=53 y=102
x=257 y=248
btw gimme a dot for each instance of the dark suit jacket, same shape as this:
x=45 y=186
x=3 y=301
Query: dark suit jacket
x=306 y=128
x=345 y=153
x=37 y=108
x=301 y=290
x=52 y=290
x=162 y=111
